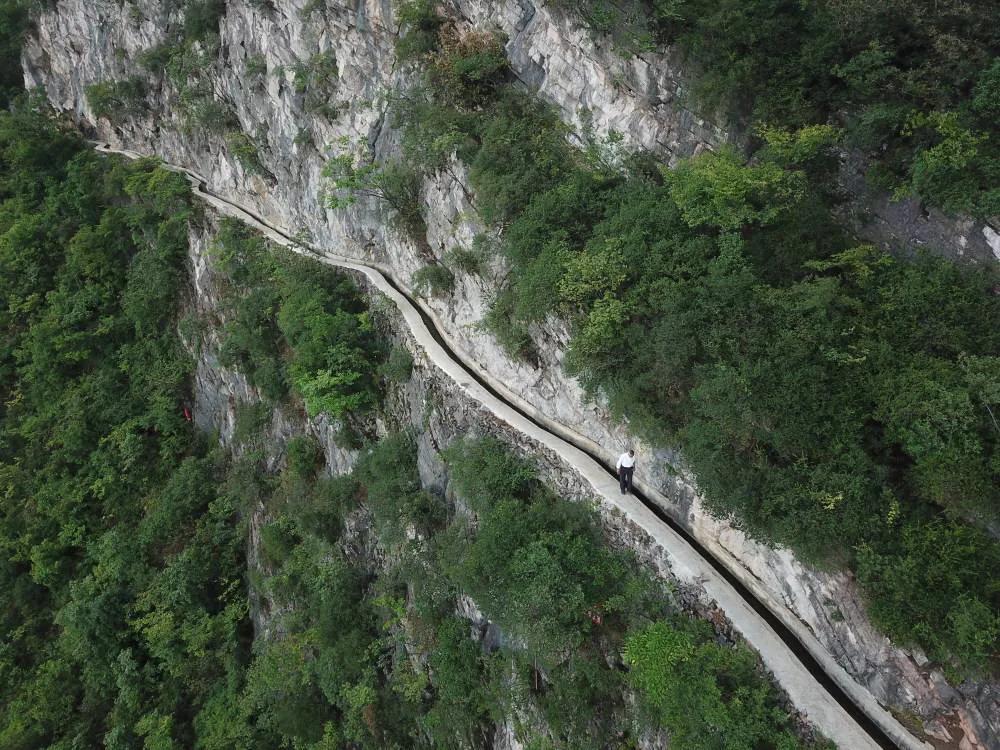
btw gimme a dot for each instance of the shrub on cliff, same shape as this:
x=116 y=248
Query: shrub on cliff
x=708 y=695
x=245 y=150
x=117 y=100
x=954 y=614
x=295 y=323
x=434 y=279
x=201 y=18
x=13 y=25
x=419 y=24
x=467 y=67
x=350 y=176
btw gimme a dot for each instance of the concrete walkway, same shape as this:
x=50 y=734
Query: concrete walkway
x=804 y=689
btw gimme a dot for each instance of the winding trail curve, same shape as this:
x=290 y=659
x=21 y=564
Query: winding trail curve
x=819 y=687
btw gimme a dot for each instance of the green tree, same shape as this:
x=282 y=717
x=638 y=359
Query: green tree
x=13 y=25
x=707 y=695
x=117 y=100
x=716 y=189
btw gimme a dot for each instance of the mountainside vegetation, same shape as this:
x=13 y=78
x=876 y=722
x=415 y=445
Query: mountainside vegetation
x=372 y=658
x=121 y=554
x=826 y=395
x=125 y=589
x=159 y=591
x=13 y=25
x=915 y=84
x=277 y=302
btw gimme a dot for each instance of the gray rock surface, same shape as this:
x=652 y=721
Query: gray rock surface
x=80 y=42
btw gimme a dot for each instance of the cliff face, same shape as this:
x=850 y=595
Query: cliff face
x=81 y=42
x=430 y=406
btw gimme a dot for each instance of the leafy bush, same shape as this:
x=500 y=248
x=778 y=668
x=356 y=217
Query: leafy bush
x=245 y=150
x=717 y=189
x=398 y=365
x=117 y=99
x=202 y=111
x=461 y=709
x=434 y=279
x=707 y=694
x=466 y=68
x=252 y=421
x=466 y=260
x=316 y=80
x=397 y=183
x=419 y=24
x=277 y=539
x=256 y=66
x=295 y=322
x=930 y=590
x=303 y=457
x=155 y=59
x=523 y=151
x=394 y=495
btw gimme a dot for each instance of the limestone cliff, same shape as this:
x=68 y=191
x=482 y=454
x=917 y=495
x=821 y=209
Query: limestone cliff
x=80 y=42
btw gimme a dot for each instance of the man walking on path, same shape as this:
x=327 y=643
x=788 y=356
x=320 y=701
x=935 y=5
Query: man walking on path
x=626 y=465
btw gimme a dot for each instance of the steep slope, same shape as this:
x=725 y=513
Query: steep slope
x=270 y=154
x=321 y=582
x=536 y=434
x=448 y=415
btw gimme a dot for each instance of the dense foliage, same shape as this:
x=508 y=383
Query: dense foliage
x=13 y=25
x=125 y=596
x=703 y=691
x=826 y=395
x=275 y=302
x=537 y=567
x=916 y=83
x=121 y=558
x=122 y=546
x=340 y=670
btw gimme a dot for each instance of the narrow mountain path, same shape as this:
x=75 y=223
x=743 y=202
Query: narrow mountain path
x=819 y=687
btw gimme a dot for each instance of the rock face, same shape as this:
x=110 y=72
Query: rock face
x=80 y=42
x=432 y=407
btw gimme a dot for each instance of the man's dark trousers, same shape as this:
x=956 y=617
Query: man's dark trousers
x=625 y=478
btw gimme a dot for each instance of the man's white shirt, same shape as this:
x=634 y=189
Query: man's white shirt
x=626 y=461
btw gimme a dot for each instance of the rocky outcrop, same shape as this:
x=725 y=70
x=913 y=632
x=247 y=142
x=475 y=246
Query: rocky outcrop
x=80 y=42
x=907 y=226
